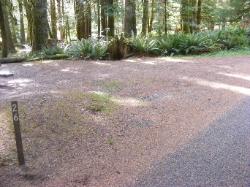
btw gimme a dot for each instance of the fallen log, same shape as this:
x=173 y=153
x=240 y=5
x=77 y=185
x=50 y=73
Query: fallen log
x=11 y=60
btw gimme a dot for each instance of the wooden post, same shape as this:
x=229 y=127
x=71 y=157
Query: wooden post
x=18 y=137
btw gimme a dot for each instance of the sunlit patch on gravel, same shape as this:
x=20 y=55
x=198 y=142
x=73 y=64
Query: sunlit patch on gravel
x=236 y=75
x=123 y=101
x=47 y=61
x=170 y=59
x=20 y=82
x=128 y=101
x=6 y=73
x=130 y=60
x=102 y=64
x=28 y=65
x=218 y=85
x=149 y=62
x=223 y=66
x=69 y=70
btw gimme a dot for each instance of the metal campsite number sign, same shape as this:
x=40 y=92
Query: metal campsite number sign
x=18 y=137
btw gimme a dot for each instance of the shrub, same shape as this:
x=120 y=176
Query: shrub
x=88 y=49
x=232 y=38
x=185 y=44
x=53 y=53
x=99 y=103
x=145 y=45
x=203 y=42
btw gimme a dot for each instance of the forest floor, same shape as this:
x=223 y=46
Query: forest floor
x=105 y=123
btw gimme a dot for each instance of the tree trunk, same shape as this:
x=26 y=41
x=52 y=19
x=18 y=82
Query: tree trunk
x=111 y=19
x=13 y=27
x=53 y=19
x=165 y=17
x=104 y=21
x=88 y=16
x=130 y=18
x=63 y=21
x=39 y=25
x=98 y=19
x=193 y=16
x=145 y=17
x=83 y=19
x=150 y=28
x=67 y=32
x=22 y=32
x=60 y=9
x=28 y=8
x=199 y=9
x=3 y=32
x=11 y=46
x=185 y=16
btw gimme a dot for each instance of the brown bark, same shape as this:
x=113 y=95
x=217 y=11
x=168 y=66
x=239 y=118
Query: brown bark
x=53 y=19
x=150 y=27
x=104 y=21
x=3 y=32
x=111 y=19
x=165 y=17
x=145 y=17
x=39 y=25
x=98 y=18
x=22 y=33
x=185 y=16
x=11 y=46
x=199 y=9
x=130 y=18
x=28 y=9
x=83 y=19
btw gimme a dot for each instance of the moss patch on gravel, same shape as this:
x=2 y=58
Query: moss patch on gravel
x=100 y=103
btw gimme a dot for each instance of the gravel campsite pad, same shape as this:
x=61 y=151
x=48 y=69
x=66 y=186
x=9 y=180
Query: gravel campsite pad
x=105 y=123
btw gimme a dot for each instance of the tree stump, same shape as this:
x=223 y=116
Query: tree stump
x=118 y=48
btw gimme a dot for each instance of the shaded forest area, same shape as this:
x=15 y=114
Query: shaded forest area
x=104 y=29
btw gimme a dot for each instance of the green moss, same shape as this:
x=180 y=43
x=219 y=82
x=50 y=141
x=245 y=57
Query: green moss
x=100 y=103
x=110 y=141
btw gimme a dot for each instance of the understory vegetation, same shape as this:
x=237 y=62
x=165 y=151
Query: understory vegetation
x=189 y=44
x=233 y=38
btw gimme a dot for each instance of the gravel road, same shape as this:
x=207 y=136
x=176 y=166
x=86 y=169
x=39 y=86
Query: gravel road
x=220 y=156
x=174 y=122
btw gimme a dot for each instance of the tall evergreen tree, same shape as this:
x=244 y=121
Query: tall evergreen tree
x=130 y=18
x=53 y=19
x=39 y=25
x=83 y=19
x=3 y=32
x=22 y=32
x=145 y=17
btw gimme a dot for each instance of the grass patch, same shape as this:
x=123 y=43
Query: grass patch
x=99 y=103
x=110 y=141
x=94 y=102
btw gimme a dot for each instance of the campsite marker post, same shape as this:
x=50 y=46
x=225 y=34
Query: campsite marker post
x=18 y=137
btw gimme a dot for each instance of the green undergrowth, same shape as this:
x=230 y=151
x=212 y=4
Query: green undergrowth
x=100 y=103
x=206 y=42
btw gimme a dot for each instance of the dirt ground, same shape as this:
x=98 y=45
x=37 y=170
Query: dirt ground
x=105 y=123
